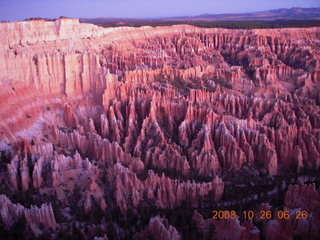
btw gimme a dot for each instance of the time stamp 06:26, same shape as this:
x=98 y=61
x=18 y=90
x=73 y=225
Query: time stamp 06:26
x=262 y=215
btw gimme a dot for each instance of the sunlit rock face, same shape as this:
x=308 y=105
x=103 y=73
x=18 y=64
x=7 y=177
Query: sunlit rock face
x=139 y=133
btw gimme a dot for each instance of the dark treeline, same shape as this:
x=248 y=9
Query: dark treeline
x=45 y=19
x=217 y=24
x=203 y=24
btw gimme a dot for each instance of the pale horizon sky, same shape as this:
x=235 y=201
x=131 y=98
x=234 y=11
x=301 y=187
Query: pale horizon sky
x=14 y=10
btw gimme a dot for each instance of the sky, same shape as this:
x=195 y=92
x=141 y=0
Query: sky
x=13 y=10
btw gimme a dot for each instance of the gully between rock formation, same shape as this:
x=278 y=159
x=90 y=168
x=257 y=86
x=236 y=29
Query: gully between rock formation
x=121 y=133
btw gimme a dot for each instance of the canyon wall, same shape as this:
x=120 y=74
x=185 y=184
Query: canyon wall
x=103 y=122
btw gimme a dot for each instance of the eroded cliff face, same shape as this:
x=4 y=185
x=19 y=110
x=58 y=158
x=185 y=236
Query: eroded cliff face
x=109 y=122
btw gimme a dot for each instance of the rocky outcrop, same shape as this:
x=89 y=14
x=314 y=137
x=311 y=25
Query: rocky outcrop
x=167 y=192
x=299 y=199
x=303 y=196
x=159 y=228
x=11 y=213
x=70 y=173
x=225 y=228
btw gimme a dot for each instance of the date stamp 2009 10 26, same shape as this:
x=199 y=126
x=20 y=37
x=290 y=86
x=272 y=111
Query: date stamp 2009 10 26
x=262 y=215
